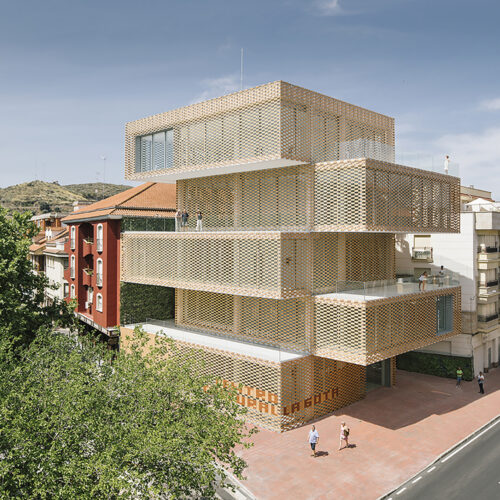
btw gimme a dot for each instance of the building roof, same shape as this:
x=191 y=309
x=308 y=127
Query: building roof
x=152 y=199
x=40 y=240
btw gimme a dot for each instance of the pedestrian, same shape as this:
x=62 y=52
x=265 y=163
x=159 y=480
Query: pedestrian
x=422 y=281
x=185 y=217
x=480 y=381
x=178 y=217
x=313 y=440
x=441 y=276
x=344 y=435
x=460 y=374
x=199 y=221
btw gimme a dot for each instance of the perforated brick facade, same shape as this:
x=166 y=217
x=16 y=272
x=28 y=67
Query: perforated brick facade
x=301 y=200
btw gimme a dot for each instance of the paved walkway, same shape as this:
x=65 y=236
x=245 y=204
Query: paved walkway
x=395 y=432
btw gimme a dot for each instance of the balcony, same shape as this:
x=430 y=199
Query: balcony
x=266 y=264
x=87 y=246
x=488 y=254
x=337 y=196
x=87 y=276
x=270 y=126
x=367 y=322
x=421 y=254
x=488 y=322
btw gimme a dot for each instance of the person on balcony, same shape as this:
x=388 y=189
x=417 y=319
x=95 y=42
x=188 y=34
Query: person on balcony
x=441 y=276
x=199 y=221
x=178 y=217
x=185 y=217
x=422 y=281
x=446 y=164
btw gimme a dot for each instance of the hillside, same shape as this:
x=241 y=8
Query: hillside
x=96 y=190
x=39 y=196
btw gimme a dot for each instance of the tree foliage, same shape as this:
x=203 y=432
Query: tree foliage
x=77 y=423
x=22 y=291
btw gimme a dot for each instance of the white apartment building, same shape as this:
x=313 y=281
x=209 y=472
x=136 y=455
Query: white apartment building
x=56 y=261
x=473 y=257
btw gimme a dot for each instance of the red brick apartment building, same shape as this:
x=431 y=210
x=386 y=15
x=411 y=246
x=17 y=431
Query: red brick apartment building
x=93 y=248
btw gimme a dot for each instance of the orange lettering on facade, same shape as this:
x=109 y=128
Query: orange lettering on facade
x=311 y=401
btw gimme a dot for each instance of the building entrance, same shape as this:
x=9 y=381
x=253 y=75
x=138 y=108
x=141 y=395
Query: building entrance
x=378 y=375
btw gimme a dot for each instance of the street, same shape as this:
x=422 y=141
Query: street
x=470 y=471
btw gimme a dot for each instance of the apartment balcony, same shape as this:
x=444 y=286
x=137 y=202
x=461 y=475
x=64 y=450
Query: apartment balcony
x=421 y=254
x=87 y=276
x=269 y=126
x=337 y=196
x=87 y=246
x=368 y=322
x=488 y=254
x=265 y=264
x=488 y=289
x=488 y=322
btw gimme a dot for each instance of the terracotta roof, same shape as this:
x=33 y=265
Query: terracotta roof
x=35 y=248
x=152 y=199
x=55 y=251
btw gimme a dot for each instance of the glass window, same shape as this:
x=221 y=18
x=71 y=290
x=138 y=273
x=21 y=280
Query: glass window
x=155 y=151
x=444 y=314
x=98 y=304
x=99 y=274
x=72 y=292
x=100 y=237
x=73 y=238
x=72 y=269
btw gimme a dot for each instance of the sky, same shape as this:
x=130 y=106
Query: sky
x=73 y=72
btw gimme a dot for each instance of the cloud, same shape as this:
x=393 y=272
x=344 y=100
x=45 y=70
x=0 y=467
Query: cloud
x=215 y=87
x=329 y=7
x=490 y=104
x=477 y=154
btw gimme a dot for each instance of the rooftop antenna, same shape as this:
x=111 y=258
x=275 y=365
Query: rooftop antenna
x=241 y=71
x=103 y=158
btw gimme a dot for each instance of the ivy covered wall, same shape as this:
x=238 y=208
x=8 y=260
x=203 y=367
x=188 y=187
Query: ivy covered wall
x=440 y=365
x=140 y=302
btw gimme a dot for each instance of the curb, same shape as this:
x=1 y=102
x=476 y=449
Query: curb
x=442 y=455
x=241 y=492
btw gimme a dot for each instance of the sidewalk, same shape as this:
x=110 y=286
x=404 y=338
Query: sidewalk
x=395 y=432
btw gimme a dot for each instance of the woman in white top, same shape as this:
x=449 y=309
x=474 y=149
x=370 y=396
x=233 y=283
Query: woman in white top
x=344 y=435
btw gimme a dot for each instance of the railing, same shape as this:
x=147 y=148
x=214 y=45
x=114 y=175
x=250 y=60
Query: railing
x=424 y=253
x=99 y=279
x=487 y=249
x=486 y=319
x=493 y=206
x=395 y=287
x=100 y=244
x=428 y=162
x=491 y=283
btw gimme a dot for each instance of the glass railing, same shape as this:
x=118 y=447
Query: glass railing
x=428 y=162
x=394 y=287
x=422 y=254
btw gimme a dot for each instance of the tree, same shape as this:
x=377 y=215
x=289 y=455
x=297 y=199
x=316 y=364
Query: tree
x=76 y=425
x=22 y=292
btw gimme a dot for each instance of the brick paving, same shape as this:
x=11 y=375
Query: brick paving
x=395 y=432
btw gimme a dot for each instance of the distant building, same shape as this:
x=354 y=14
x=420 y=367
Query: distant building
x=94 y=250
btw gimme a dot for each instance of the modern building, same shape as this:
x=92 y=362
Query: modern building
x=289 y=291
x=93 y=248
x=473 y=256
